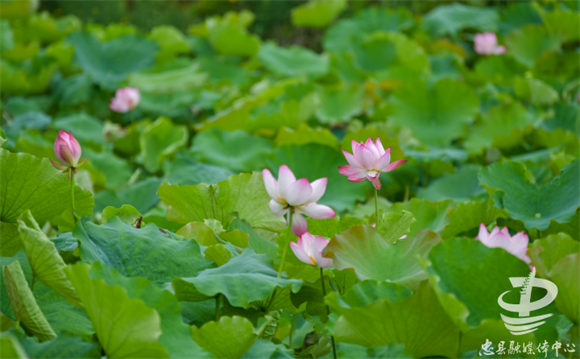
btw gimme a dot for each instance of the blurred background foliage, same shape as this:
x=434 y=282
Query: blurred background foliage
x=273 y=17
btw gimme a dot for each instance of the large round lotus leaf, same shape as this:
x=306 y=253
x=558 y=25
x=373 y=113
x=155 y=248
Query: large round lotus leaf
x=143 y=252
x=110 y=62
x=450 y=19
x=372 y=257
x=437 y=115
x=317 y=13
x=293 y=61
x=535 y=205
x=222 y=148
x=231 y=337
x=386 y=321
x=125 y=327
x=530 y=42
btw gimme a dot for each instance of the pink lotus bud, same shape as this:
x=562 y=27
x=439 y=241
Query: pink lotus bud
x=300 y=195
x=367 y=161
x=516 y=244
x=309 y=250
x=67 y=151
x=125 y=99
x=486 y=44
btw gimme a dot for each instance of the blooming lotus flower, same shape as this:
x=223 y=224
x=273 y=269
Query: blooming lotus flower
x=516 y=245
x=486 y=44
x=299 y=196
x=309 y=250
x=68 y=153
x=367 y=161
x=125 y=99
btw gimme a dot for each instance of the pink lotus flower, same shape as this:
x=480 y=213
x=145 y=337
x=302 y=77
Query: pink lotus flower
x=368 y=161
x=68 y=152
x=125 y=99
x=300 y=196
x=516 y=244
x=309 y=250
x=486 y=44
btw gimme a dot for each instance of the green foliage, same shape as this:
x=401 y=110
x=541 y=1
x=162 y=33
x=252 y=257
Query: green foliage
x=558 y=199
x=171 y=205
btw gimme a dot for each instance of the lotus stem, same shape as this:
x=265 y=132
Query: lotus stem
x=377 y=207
x=285 y=247
x=72 y=192
x=328 y=309
x=292 y=329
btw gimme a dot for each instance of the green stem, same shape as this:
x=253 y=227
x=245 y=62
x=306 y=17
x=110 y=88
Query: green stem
x=217 y=307
x=17 y=323
x=285 y=247
x=406 y=194
x=377 y=208
x=72 y=192
x=32 y=282
x=292 y=329
x=327 y=310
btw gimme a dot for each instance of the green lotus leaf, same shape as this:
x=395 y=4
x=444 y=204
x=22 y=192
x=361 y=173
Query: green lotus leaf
x=315 y=161
x=231 y=337
x=64 y=346
x=304 y=135
x=569 y=228
x=366 y=292
x=435 y=116
x=244 y=194
x=219 y=254
x=387 y=322
x=86 y=128
x=47 y=265
x=25 y=307
x=247 y=278
x=317 y=13
x=140 y=195
x=372 y=257
x=176 y=335
x=368 y=21
x=498 y=121
x=530 y=42
x=536 y=91
x=451 y=19
x=469 y=215
x=461 y=186
x=352 y=351
x=500 y=70
x=125 y=327
x=340 y=103
x=5 y=306
x=127 y=214
x=33 y=183
x=563 y=23
x=457 y=262
x=160 y=140
x=231 y=39
x=110 y=62
x=327 y=228
x=545 y=253
x=263 y=348
x=394 y=225
x=171 y=42
x=565 y=275
x=558 y=199
x=186 y=78
x=186 y=171
x=293 y=61
x=145 y=252
x=10 y=347
x=222 y=148
x=434 y=216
